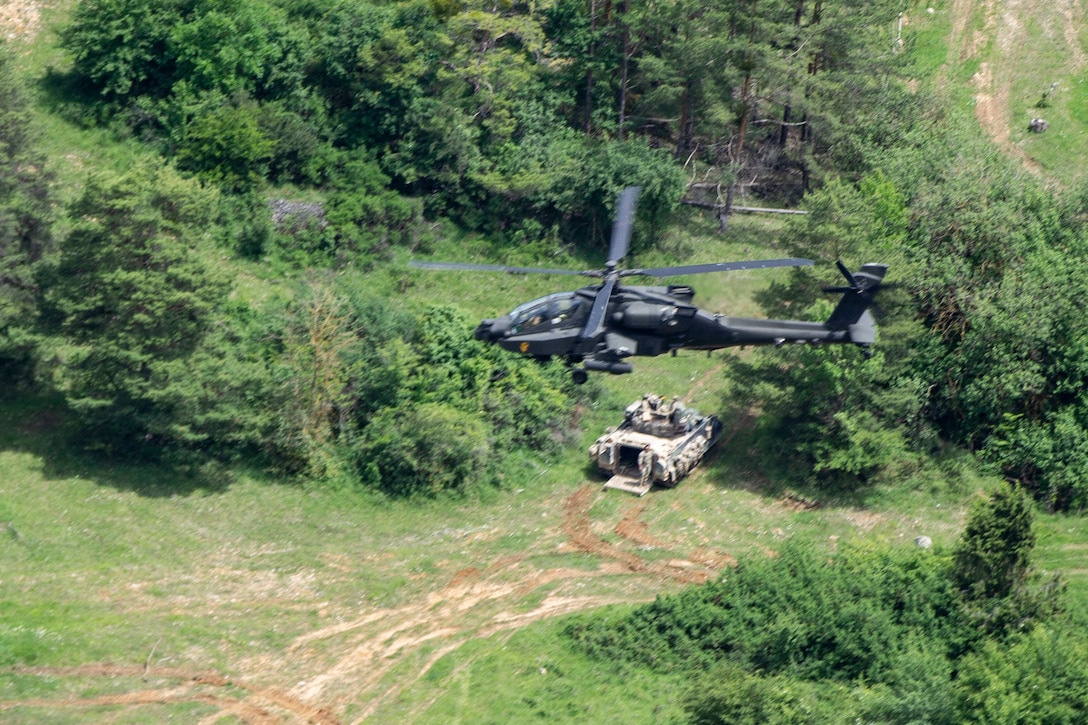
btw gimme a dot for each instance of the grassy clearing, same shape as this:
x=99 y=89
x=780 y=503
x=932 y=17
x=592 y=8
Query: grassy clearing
x=1028 y=59
x=535 y=676
x=404 y=612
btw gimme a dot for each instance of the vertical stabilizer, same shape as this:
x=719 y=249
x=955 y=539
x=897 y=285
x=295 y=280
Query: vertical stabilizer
x=856 y=300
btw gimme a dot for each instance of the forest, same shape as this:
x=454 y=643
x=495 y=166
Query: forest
x=361 y=124
x=237 y=296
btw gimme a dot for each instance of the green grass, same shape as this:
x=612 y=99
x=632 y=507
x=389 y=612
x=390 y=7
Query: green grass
x=534 y=676
x=1022 y=67
x=132 y=565
x=229 y=572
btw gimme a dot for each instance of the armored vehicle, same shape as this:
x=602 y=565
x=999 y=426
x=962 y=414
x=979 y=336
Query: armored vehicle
x=677 y=435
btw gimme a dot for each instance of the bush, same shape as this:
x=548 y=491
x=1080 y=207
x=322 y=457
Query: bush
x=426 y=449
x=800 y=614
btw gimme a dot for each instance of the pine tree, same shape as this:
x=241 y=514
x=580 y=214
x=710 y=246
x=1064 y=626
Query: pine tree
x=25 y=236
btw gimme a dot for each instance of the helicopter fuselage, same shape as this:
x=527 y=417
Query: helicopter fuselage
x=644 y=321
x=599 y=326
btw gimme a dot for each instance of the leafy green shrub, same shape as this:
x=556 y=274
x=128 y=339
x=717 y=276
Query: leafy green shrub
x=224 y=144
x=799 y=614
x=834 y=416
x=1039 y=677
x=573 y=181
x=992 y=568
x=123 y=46
x=919 y=688
x=728 y=695
x=129 y=293
x=528 y=403
x=426 y=449
x=26 y=235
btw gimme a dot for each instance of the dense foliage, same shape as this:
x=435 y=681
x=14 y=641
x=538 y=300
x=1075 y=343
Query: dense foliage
x=494 y=114
x=981 y=343
x=521 y=122
x=128 y=295
x=373 y=119
x=311 y=141
x=799 y=637
x=25 y=227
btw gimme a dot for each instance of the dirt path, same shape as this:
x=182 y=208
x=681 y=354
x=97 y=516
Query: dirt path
x=365 y=663
x=349 y=670
x=1004 y=23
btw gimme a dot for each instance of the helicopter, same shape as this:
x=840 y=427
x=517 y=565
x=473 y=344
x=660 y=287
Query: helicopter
x=598 y=327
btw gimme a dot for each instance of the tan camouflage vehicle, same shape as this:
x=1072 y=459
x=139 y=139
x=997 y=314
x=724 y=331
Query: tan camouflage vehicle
x=679 y=437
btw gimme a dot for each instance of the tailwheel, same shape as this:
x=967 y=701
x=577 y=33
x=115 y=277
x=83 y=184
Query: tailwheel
x=579 y=376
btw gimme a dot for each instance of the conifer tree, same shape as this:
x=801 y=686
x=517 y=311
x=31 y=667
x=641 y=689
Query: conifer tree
x=25 y=216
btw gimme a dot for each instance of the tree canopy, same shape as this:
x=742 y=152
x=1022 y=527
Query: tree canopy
x=520 y=123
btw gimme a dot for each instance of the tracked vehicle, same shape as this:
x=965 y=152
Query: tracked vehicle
x=679 y=437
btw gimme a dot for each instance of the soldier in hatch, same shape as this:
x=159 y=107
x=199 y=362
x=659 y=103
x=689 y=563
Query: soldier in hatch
x=668 y=407
x=646 y=465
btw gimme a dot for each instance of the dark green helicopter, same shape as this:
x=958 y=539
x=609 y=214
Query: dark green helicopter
x=598 y=327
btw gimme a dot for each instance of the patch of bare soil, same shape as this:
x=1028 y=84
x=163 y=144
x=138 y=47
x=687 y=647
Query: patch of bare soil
x=576 y=524
x=1004 y=23
x=258 y=705
x=20 y=19
x=361 y=663
x=358 y=665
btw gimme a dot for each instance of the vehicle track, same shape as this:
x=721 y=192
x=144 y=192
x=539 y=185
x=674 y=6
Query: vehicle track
x=360 y=665
x=364 y=663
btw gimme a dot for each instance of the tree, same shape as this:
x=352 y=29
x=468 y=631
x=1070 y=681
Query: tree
x=992 y=564
x=1039 y=678
x=25 y=226
x=992 y=263
x=320 y=342
x=730 y=696
x=130 y=292
x=994 y=555
x=225 y=145
x=239 y=46
x=123 y=46
x=372 y=64
x=426 y=449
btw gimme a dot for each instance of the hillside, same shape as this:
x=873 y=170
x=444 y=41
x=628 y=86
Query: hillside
x=1026 y=61
x=226 y=592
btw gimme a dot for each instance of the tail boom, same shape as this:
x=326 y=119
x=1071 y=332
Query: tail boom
x=850 y=321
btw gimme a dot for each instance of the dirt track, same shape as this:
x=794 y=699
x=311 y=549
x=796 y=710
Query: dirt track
x=1004 y=24
x=475 y=603
x=19 y=19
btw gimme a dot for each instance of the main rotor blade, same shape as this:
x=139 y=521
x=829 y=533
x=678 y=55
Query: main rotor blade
x=720 y=267
x=596 y=313
x=464 y=266
x=621 y=225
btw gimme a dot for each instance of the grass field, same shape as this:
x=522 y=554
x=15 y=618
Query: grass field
x=1007 y=63
x=134 y=594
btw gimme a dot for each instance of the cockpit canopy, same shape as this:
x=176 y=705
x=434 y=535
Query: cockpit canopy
x=547 y=312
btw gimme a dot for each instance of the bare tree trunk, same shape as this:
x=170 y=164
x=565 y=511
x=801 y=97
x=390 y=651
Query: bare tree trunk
x=726 y=209
x=625 y=51
x=587 y=121
x=742 y=126
x=686 y=129
x=784 y=133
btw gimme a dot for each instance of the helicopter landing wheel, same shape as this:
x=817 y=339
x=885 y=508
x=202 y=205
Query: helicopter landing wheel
x=579 y=376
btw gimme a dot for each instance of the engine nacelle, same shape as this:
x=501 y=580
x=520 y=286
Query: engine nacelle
x=647 y=316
